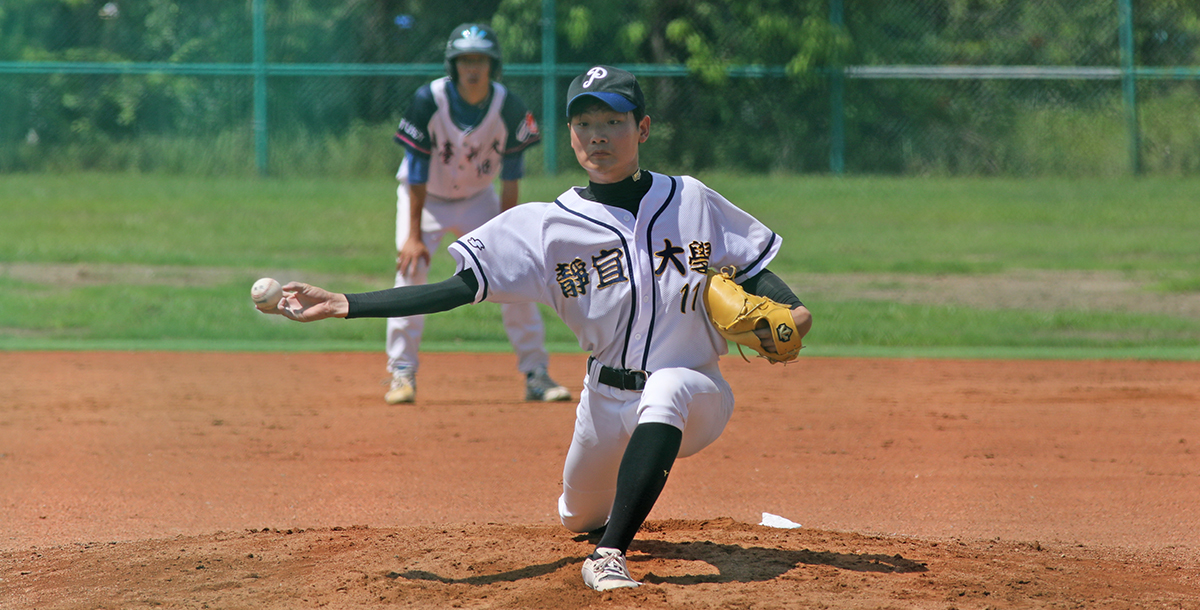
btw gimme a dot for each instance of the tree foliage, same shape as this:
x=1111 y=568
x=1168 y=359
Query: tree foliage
x=715 y=117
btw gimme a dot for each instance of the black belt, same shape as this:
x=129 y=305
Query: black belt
x=622 y=379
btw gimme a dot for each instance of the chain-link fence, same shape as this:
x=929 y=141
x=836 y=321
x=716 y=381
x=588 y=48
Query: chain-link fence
x=1021 y=88
x=302 y=87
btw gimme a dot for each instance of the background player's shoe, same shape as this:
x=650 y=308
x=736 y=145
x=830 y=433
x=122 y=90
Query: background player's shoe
x=404 y=387
x=539 y=386
x=605 y=569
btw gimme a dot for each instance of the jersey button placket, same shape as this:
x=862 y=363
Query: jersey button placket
x=643 y=270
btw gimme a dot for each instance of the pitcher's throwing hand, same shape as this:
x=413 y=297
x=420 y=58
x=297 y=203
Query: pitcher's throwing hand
x=304 y=303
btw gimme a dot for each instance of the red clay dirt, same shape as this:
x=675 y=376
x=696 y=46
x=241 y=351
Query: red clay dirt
x=214 y=480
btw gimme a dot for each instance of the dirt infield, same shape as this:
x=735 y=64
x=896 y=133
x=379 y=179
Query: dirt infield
x=205 y=480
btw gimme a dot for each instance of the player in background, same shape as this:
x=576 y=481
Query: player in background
x=459 y=133
x=620 y=261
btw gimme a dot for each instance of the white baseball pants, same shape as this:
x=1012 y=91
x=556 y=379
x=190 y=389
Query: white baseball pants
x=699 y=403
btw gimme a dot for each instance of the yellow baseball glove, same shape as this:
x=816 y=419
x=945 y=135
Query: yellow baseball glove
x=737 y=314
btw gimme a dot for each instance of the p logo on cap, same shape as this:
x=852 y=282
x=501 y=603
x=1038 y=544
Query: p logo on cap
x=594 y=73
x=613 y=86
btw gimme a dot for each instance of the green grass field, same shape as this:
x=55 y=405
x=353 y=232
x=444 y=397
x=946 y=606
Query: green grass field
x=152 y=262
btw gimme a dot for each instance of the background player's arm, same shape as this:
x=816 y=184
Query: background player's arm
x=414 y=250
x=511 y=172
x=522 y=133
x=509 y=194
x=413 y=135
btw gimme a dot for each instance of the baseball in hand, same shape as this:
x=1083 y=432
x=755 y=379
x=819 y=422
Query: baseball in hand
x=266 y=294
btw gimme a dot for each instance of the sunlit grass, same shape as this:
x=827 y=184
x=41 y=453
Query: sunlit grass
x=342 y=232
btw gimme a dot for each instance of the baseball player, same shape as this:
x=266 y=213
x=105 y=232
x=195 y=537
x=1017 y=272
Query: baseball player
x=622 y=262
x=459 y=133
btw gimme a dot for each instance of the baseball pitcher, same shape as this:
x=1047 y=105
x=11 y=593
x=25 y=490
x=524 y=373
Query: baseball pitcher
x=632 y=263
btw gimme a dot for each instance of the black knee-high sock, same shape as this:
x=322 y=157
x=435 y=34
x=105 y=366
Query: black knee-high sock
x=643 y=473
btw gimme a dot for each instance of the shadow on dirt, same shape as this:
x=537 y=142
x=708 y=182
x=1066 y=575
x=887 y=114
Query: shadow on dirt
x=740 y=564
x=488 y=579
x=734 y=564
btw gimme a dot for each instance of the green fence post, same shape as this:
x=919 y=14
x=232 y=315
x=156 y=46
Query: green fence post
x=260 y=86
x=549 y=96
x=837 y=110
x=1129 y=86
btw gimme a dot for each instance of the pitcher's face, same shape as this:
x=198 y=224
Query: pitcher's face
x=606 y=143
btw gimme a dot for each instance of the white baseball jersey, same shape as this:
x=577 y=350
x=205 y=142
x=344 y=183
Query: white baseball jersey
x=628 y=286
x=462 y=161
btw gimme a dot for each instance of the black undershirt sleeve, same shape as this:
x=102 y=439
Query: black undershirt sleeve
x=767 y=284
x=455 y=291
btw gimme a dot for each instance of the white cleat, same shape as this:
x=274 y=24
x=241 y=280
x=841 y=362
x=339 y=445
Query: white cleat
x=404 y=388
x=608 y=571
x=539 y=386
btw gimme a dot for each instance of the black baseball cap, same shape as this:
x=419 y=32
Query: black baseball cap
x=613 y=86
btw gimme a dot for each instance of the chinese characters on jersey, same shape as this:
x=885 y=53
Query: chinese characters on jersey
x=574 y=277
